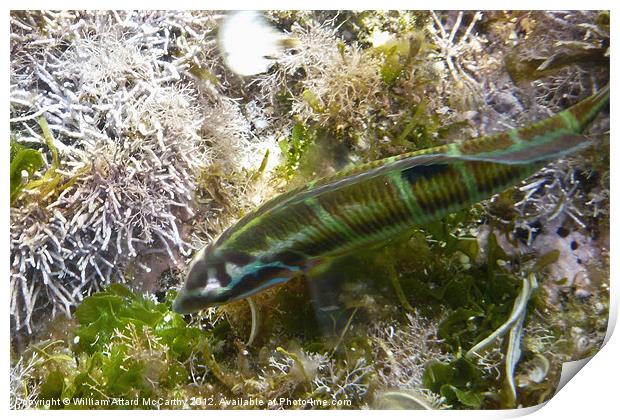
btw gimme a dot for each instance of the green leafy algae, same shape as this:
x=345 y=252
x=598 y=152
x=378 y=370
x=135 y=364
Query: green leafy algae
x=124 y=346
x=22 y=159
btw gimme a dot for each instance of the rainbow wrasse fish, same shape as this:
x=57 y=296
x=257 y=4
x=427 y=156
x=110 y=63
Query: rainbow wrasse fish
x=369 y=204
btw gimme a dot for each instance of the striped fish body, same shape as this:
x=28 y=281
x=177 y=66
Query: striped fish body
x=371 y=203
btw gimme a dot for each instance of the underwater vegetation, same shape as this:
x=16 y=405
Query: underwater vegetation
x=310 y=227
x=134 y=145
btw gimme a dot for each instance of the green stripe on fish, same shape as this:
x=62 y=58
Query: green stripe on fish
x=366 y=205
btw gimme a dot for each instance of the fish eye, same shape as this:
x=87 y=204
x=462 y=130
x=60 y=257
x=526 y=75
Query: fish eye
x=197 y=275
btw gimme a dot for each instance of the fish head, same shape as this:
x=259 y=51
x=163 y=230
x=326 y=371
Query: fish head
x=217 y=276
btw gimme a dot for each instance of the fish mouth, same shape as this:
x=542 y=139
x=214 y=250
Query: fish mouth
x=190 y=302
x=178 y=305
x=187 y=303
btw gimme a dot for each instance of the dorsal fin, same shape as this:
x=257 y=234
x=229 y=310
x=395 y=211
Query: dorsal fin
x=520 y=156
x=521 y=153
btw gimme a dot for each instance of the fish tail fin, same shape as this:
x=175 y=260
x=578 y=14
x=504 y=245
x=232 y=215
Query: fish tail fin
x=585 y=111
x=548 y=139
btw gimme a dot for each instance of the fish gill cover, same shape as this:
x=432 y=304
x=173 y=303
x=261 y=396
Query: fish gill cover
x=134 y=143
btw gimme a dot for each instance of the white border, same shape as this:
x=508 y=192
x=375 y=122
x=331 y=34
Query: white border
x=593 y=394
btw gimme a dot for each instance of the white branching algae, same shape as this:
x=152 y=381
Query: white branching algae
x=125 y=120
x=23 y=395
x=342 y=82
x=403 y=353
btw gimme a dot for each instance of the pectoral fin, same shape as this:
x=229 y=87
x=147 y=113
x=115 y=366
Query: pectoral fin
x=323 y=281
